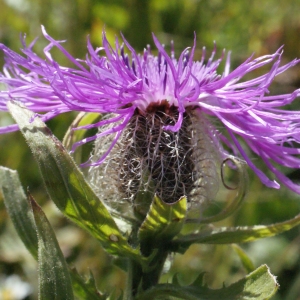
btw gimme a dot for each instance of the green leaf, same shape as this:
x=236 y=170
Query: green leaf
x=67 y=186
x=54 y=279
x=163 y=222
x=199 y=281
x=19 y=209
x=258 y=285
x=245 y=259
x=21 y=214
x=230 y=235
x=85 y=290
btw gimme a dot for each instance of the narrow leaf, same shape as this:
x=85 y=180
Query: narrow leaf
x=245 y=259
x=85 y=290
x=67 y=186
x=230 y=235
x=258 y=285
x=19 y=209
x=199 y=281
x=21 y=214
x=54 y=279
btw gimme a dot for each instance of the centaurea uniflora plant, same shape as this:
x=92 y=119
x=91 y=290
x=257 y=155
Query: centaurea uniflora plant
x=158 y=161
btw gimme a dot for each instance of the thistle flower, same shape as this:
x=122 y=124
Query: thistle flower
x=158 y=112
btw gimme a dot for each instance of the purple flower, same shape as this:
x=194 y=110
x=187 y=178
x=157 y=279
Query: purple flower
x=129 y=89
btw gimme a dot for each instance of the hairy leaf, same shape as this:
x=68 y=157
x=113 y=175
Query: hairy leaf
x=67 y=186
x=19 y=209
x=54 y=279
x=230 y=235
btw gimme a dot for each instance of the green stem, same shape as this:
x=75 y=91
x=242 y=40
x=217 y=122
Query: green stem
x=138 y=280
x=128 y=288
x=151 y=278
x=134 y=275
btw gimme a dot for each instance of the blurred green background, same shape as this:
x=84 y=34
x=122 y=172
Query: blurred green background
x=243 y=27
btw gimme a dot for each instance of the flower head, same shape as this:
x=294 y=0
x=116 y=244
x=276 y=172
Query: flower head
x=157 y=111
